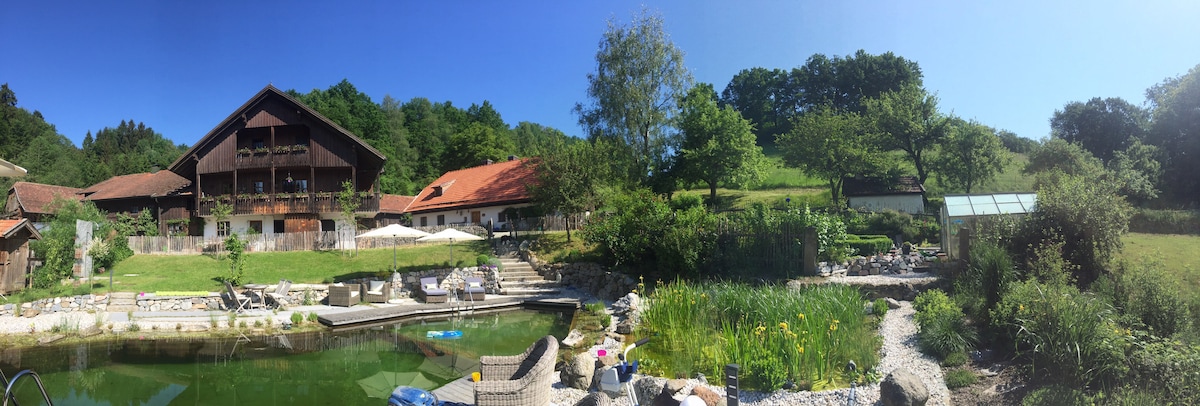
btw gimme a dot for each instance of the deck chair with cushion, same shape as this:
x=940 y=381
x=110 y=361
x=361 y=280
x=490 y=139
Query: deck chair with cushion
x=237 y=301
x=431 y=292
x=377 y=291
x=473 y=289
x=518 y=380
x=344 y=295
x=280 y=295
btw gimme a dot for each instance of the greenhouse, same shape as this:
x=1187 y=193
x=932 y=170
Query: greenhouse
x=965 y=210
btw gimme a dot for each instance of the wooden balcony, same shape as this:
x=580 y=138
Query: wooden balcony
x=289 y=203
x=254 y=160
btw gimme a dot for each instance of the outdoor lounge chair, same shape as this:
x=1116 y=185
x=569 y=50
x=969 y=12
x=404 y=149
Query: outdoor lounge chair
x=431 y=292
x=280 y=295
x=377 y=291
x=473 y=289
x=237 y=301
x=345 y=295
x=518 y=380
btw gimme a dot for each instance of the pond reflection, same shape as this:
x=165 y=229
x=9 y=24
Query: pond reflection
x=346 y=368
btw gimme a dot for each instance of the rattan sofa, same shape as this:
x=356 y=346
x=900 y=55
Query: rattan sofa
x=346 y=295
x=518 y=380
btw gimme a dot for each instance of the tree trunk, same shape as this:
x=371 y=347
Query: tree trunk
x=712 y=193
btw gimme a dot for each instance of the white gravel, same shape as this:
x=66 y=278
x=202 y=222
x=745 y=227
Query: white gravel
x=899 y=350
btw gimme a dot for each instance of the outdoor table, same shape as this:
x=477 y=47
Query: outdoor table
x=261 y=289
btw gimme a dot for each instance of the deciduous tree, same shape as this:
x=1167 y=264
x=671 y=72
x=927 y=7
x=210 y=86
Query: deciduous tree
x=569 y=176
x=831 y=146
x=718 y=144
x=632 y=94
x=908 y=120
x=1101 y=126
x=971 y=155
x=1175 y=130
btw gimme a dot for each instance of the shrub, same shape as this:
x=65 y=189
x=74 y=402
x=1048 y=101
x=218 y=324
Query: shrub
x=880 y=308
x=960 y=378
x=1169 y=369
x=987 y=277
x=1066 y=333
x=1150 y=295
x=312 y=317
x=237 y=259
x=297 y=318
x=482 y=259
x=1165 y=221
x=867 y=245
x=941 y=324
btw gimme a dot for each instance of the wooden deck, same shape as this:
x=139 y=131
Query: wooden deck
x=368 y=316
x=460 y=391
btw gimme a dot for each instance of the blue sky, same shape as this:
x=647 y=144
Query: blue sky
x=181 y=67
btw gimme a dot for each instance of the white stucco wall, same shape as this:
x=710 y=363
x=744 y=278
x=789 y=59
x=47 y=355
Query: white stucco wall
x=464 y=216
x=909 y=203
x=241 y=224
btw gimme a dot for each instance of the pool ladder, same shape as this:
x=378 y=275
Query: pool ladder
x=8 y=386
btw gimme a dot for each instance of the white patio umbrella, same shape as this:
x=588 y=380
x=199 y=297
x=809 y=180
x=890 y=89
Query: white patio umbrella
x=451 y=235
x=8 y=170
x=394 y=231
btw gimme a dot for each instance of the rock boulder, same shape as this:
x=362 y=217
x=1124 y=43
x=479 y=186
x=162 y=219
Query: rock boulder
x=902 y=388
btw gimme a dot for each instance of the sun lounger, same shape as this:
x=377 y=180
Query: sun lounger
x=280 y=295
x=473 y=289
x=431 y=292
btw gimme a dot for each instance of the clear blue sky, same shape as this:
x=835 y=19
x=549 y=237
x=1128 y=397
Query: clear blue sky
x=182 y=66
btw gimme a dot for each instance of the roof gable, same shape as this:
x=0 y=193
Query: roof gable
x=10 y=228
x=484 y=185
x=144 y=184
x=36 y=197
x=901 y=185
x=250 y=115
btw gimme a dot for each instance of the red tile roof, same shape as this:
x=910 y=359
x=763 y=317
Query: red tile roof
x=9 y=227
x=36 y=197
x=484 y=185
x=155 y=184
x=394 y=204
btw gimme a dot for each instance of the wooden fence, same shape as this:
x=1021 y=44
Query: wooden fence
x=303 y=241
x=756 y=252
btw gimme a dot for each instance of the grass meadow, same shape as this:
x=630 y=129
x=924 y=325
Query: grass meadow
x=1177 y=252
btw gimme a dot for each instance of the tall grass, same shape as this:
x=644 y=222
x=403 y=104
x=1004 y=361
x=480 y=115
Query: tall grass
x=776 y=334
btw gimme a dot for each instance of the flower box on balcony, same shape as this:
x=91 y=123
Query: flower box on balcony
x=261 y=150
x=243 y=151
x=298 y=148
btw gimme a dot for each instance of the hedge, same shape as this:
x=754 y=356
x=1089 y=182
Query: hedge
x=867 y=245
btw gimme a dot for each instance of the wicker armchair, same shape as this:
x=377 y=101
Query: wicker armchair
x=380 y=295
x=346 y=295
x=518 y=380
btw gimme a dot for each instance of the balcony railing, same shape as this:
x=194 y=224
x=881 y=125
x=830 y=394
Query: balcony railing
x=285 y=156
x=287 y=203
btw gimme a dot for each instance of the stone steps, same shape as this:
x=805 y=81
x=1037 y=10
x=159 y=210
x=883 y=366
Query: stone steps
x=519 y=278
x=122 y=302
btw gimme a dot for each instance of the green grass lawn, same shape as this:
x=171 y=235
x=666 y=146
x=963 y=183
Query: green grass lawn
x=1178 y=253
x=201 y=272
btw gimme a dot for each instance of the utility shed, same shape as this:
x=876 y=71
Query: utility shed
x=965 y=210
x=14 y=257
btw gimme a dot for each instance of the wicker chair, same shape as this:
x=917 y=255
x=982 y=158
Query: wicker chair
x=346 y=295
x=380 y=295
x=430 y=292
x=473 y=289
x=518 y=380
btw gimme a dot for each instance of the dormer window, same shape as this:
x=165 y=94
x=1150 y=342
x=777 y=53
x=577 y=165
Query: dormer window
x=441 y=189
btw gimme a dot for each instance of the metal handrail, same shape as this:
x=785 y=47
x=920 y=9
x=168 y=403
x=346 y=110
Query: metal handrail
x=8 y=393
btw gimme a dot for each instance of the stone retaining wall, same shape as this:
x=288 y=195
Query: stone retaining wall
x=591 y=278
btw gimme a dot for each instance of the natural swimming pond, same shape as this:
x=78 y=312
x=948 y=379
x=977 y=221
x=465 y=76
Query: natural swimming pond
x=358 y=367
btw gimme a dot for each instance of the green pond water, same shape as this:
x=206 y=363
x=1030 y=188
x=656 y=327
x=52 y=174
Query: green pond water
x=357 y=367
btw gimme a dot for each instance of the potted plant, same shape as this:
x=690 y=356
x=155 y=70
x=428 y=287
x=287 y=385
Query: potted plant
x=261 y=150
x=282 y=149
x=299 y=148
x=243 y=151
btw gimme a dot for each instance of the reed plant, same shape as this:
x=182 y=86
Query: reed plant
x=777 y=334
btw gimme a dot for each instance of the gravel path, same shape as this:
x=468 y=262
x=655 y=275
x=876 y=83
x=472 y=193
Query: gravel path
x=899 y=350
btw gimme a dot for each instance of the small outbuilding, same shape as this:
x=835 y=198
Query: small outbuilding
x=966 y=210
x=14 y=258
x=903 y=194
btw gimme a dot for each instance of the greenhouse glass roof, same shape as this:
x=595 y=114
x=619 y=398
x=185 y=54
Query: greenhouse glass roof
x=982 y=205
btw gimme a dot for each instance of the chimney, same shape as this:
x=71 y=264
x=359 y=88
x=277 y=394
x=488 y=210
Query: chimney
x=512 y=157
x=487 y=162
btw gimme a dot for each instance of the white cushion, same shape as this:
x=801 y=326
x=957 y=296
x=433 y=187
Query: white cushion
x=376 y=287
x=339 y=284
x=474 y=285
x=430 y=286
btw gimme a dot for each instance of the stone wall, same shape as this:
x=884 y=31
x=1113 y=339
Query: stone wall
x=592 y=278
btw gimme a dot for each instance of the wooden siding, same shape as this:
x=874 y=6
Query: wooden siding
x=288 y=203
x=15 y=265
x=299 y=223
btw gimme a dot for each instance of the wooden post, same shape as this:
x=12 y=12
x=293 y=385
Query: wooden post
x=964 y=244
x=810 y=251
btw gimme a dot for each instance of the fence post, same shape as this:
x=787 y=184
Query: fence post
x=810 y=251
x=964 y=244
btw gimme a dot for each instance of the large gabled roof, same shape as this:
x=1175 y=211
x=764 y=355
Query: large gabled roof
x=36 y=197
x=480 y=186
x=270 y=91
x=157 y=184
